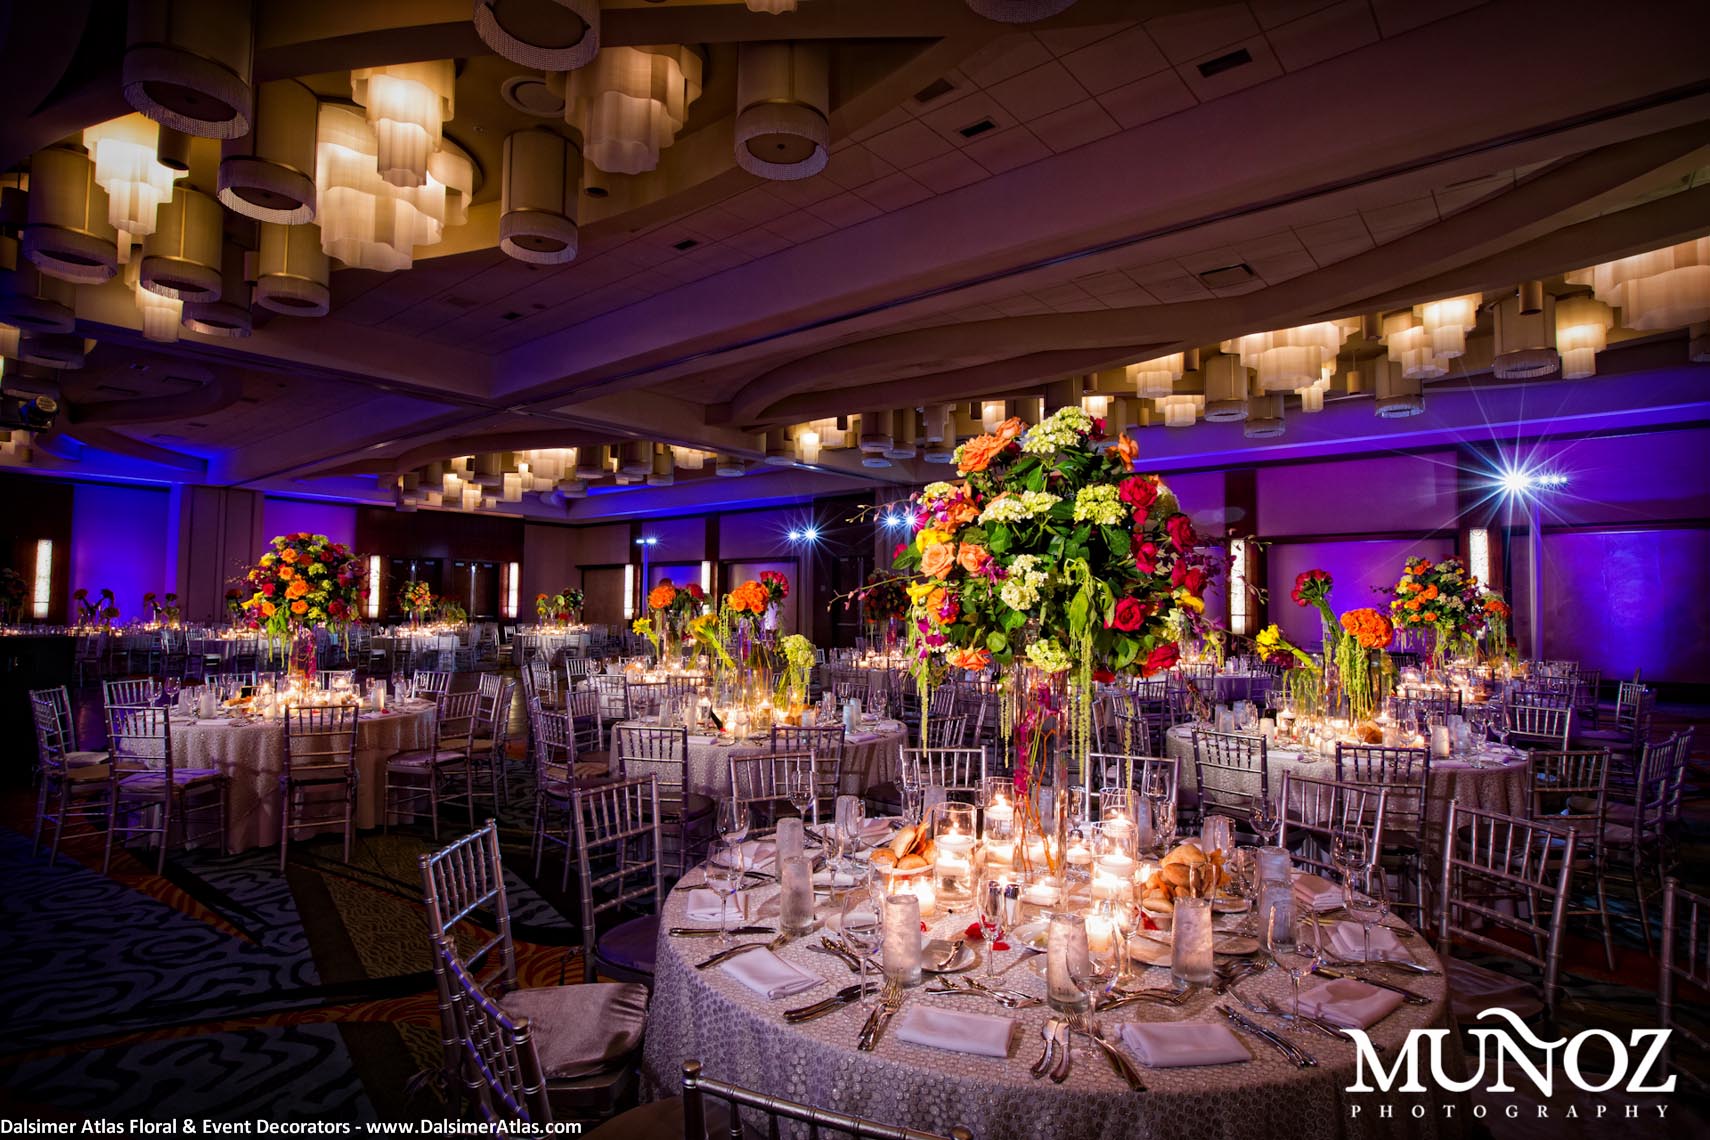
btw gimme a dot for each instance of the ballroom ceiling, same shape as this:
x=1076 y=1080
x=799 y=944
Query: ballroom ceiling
x=1005 y=207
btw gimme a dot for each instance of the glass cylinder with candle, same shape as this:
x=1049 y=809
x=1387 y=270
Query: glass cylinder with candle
x=1066 y=956
x=901 y=952
x=953 y=855
x=1114 y=863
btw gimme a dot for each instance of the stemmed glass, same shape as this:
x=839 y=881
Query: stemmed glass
x=1124 y=915
x=1367 y=899
x=1267 y=821
x=799 y=790
x=1348 y=850
x=1096 y=973
x=1000 y=910
x=1162 y=809
x=863 y=928
x=850 y=828
x=734 y=818
x=1296 y=947
x=725 y=874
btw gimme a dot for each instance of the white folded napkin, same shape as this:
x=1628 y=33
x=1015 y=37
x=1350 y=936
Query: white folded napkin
x=758 y=855
x=769 y=975
x=1347 y=942
x=981 y=1033
x=1317 y=893
x=874 y=828
x=703 y=906
x=1349 y=1002
x=861 y=737
x=1181 y=1044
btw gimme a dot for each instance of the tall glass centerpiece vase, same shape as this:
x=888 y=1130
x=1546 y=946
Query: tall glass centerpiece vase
x=304 y=657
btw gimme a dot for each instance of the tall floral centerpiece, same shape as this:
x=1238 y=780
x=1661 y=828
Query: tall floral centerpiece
x=415 y=599
x=1051 y=555
x=306 y=580
x=1441 y=600
x=777 y=588
x=1352 y=675
x=744 y=613
x=673 y=608
x=104 y=608
x=1496 y=612
x=884 y=604
x=12 y=594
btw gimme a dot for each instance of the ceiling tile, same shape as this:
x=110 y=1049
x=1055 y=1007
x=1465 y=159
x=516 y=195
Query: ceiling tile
x=1074 y=126
x=947 y=172
x=1128 y=298
x=894 y=191
x=1387 y=223
x=1004 y=57
x=1261 y=67
x=999 y=151
x=799 y=227
x=1178 y=288
x=806 y=191
x=756 y=205
x=856 y=166
x=1348 y=228
x=1324 y=35
x=1062 y=41
x=1147 y=99
x=1111 y=63
x=1463 y=194
x=1277 y=267
x=1269 y=245
x=949 y=119
x=1038 y=92
x=717 y=223
x=1205 y=260
x=1202 y=31
x=1330 y=252
x=759 y=242
x=895 y=117
x=908 y=145
x=1070 y=294
x=844 y=210
x=1101 y=284
x=1397 y=16
x=1271 y=13
x=1022 y=306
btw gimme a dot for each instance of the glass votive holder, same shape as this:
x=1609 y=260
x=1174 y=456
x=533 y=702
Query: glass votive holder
x=1190 y=942
x=795 y=904
x=953 y=856
x=1217 y=833
x=901 y=950
x=997 y=797
x=1041 y=889
x=1065 y=957
x=1078 y=856
x=1274 y=863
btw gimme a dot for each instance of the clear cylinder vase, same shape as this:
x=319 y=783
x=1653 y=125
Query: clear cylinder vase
x=303 y=656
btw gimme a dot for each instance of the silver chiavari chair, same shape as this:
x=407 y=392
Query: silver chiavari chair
x=663 y=753
x=1231 y=768
x=1313 y=811
x=148 y=792
x=826 y=743
x=959 y=771
x=1537 y=726
x=428 y=684
x=1638 y=845
x=68 y=789
x=428 y=773
x=1504 y=874
x=697 y=1086
x=320 y=765
x=489 y=749
x=469 y=926
x=1409 y=831
x=1571 y=789
x=1683 y=975
x=619 y=861
x=761 y=779
x=130 y=694
x=1129 y=770
x=946 y=732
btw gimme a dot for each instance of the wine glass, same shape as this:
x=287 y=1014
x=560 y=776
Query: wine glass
x=1267 y=821
x=850 y=827
x=1096 y=973
x=863 y=928
x=1347 y=850
x=799 y=790
x=1367 y=899
x=999 y=906
x=734 y=818
x=1296 y=948
x=1124 y=915
x=724 y=878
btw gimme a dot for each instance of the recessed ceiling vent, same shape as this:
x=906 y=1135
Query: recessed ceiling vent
x=1222 y=63
x=1228 y=276
x=979 y=128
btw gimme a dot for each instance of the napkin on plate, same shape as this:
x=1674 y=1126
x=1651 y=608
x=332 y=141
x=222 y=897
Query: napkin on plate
x=703 y=906
x=759 y=855
x=877 y=828
x=1181 y=1044
x=1347 y=942
x=982 y=1033
x=1317 y=893
x=769 y=975
x=1349 y=1002
x=861 y=737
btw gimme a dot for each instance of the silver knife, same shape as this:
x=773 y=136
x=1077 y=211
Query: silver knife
x=1407 y=995
x=702 y=932
x=727 y=954
x=1298 y=1056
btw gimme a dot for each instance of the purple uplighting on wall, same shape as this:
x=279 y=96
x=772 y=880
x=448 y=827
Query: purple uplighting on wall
x=1625 y=600
x=287 y=516
x=118 y=543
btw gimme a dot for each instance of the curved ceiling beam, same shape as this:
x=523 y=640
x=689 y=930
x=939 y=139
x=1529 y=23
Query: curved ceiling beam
x=464 y=445
x=105 y=439
x=1587 y=182
x=220 y=392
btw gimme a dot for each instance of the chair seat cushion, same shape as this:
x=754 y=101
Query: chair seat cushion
x=481 y=744
x=181 y=777
x=630 y=945
x=87 y=774
x=592 y=769
x=320 y=773
x=662 y=1120
x=83 y=759
x=426 y=758
x=582 y=1029
x=1474 y=989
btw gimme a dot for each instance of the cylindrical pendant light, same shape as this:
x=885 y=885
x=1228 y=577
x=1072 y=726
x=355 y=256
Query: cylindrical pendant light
x=542 y=176
x=291 y=271
x=547 y=35
x=1409 y=344
x=1665 y=288
x=779 y=450
x=451 y=167
x=407 y=104
x=664 y=471
x=783 y=98
x=182 y=257
x=1264 y=417
x=1398 y=395
x=1225 y=390
x=730 y=467
x=902 y=435
x=630 y=102
x=1525 y=341
x=689 y=458
x=772 y=7
x=366 y=222
x=1582 y=331
x=1447 y=323
x=269 y=174
x=161 y=315
x=1155 y=379
x=187 y=64
x=1181 y=411
x=53 y=350
x=124 y=152
x=591 y=462
x=31 y=300
x=635 y=457
x=68 y=234
x=875 y=432
x=807 y=444
x=230 y=315
x=1018 y=11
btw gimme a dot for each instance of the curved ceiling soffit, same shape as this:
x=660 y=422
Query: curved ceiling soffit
x=1530 y=209
x=464 y=445
x=105 y=439
x=213 y=394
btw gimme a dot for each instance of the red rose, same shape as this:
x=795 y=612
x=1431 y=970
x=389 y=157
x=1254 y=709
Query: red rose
x=1161 y=658
x=897 y=551
x=1103 y=676
x=1309 y=580
x=1181 y=532
x=1128 y=615
x=1145 y=555
x=695 y=591
x=1192 y=578
x=267 y=588
x=1139 y=492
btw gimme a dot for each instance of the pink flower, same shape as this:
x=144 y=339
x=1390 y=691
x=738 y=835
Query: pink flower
x=1128 y=615
x=1161 y=658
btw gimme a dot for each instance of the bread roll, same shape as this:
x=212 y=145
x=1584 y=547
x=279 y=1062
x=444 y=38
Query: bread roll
x=883 y=857
x=903 y=840
x=911 y=863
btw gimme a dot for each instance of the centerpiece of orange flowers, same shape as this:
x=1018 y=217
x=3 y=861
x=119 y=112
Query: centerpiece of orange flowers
x=673 y=608
x=415 y=599
x=1051 y=555
x=305 y=580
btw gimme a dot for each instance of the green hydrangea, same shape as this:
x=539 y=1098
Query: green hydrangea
x=1046 y=654
x=1100 y=504
x=1019 y=508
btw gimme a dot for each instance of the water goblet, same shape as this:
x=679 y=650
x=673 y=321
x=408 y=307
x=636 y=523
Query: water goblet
x=1367 y=899
x=1267 y=821
x=999 y=905
x=1347 y=850
x=733 y=820
x=1296 y=948
x=862 y=927
x=799 y=790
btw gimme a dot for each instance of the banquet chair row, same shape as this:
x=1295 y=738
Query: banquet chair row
x=149 y=792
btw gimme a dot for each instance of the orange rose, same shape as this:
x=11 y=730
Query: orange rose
x=961 y=514
x=299 y=607
x=267 y=609
x=972 y=556
x=1430 y=616
x=969 y=658
x=937 y=561
x=978 y=453
x=298 y=588
x=1128 y=449
x=662 y=596
x=1010 y=428
x=287 y=573
x=288 y=555
x=935 y=600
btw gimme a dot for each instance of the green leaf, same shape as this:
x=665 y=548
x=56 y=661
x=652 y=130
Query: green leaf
x=1013 y=620
x=996 y=642
x=1078 y=612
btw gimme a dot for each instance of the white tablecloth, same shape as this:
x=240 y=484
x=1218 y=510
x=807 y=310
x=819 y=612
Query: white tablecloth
x=1498 y=788
x=870 y=757
x=740 y=1037
x=253 y=755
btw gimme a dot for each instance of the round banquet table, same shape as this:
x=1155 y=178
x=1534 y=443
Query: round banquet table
x=1226 y=688
x=252 y=754
x=870 y=756
x=1497 y=784
x=741 y=1037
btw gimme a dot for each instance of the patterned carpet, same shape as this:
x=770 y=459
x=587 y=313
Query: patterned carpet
x=224 y=990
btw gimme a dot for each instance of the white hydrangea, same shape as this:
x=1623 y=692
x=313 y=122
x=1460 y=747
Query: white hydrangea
x=1101 y=505
x=1046 y=654
x=1018 y=508
x=1063 y=428
x=1020 y=591
x=938 y=490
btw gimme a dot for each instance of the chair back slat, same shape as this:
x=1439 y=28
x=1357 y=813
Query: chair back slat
x=618 y=851
x=1231 y=768
x=498 y=1060
x=1538 y=726
x=956 y=770
x=1313 y=811
x=462 y=880
x=760 y=777
x=1685 y=964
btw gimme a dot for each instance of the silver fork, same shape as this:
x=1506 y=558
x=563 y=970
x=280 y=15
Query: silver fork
x=1125 y=1069
x=1318 y=1023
